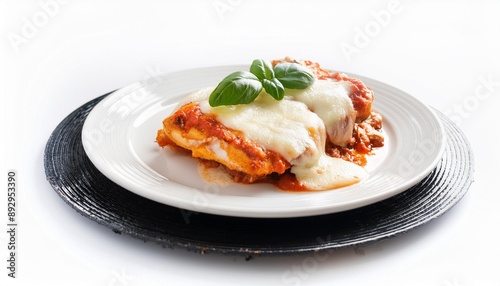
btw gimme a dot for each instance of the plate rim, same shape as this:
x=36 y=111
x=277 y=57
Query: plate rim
x=221 y=210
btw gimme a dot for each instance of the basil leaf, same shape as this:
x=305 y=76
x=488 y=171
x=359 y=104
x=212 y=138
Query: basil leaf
x=240 y=87
x=293 y=76
x=243 y=87
x=274 y=88
x=262 y=69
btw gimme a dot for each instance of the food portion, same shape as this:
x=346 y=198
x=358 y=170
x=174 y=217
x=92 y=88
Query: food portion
x=286 y=122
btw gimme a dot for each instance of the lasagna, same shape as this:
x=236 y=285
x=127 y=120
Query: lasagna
x=313 y=139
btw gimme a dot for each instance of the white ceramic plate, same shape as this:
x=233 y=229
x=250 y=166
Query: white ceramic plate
x=119 y=138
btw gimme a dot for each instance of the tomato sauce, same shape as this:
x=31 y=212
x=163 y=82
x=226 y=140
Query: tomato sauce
x=365 y=135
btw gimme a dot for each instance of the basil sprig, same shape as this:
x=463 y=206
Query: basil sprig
x=242 y=87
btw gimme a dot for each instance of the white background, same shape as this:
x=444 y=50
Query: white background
x=58 y=55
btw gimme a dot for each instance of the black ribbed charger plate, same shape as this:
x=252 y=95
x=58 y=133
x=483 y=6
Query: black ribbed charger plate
x=76 y=180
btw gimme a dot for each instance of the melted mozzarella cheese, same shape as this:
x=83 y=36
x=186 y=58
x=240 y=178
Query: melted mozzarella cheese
x=296 y=128
x=328 y=173
x=215 y=146
x=287 y=127
x=330 y=101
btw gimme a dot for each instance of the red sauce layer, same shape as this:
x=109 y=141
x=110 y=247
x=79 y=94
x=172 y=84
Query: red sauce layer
x=366 y=134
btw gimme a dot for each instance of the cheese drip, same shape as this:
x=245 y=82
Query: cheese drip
x=296 y=128
x=330 y=101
